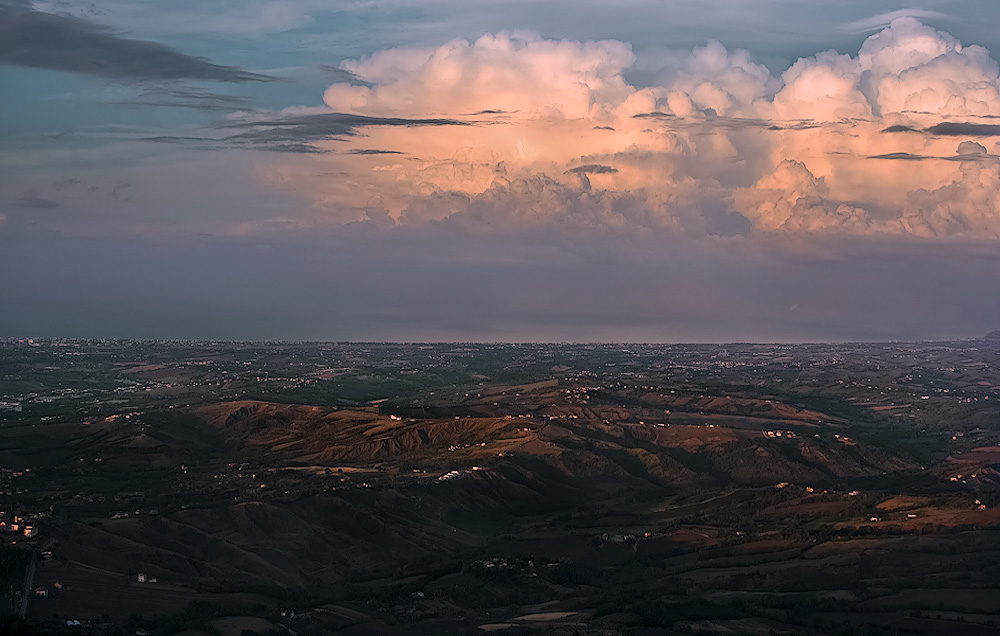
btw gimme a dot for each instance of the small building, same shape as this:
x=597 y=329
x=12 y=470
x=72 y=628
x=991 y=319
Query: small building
x=30 y=531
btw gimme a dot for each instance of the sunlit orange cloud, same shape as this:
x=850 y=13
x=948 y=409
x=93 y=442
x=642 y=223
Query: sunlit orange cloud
x=838 y=143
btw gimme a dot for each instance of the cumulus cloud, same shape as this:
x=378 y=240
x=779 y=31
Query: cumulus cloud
x=529 y=131
x=713 y=80
x=968 y=206
x=911 y=67
x=907 y=68
x=824 y=88
x=971 y=149
x=792 y=199
x=510 y=72
x=539 y=201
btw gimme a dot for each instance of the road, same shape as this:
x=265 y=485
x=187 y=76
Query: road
x=29 y=578
x=29 y=581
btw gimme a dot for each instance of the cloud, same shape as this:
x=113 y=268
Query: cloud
x=882 y=20
x=515 y=130
x=964 y=129
x=243 y=17
x=342 y=76
x=556 y=137
x=971 y=149
x=713 y=79
x=691 y=203
x=65 y=43
x=907 y=68
x=180 y=96
x=121 y=192
x=374 y=151
x=824 y=88
x=593 y=168
x=792 y=199
x=913 y=68
x=519 y=72
x=30 y=199
x=969 y=206
x=540 y=201
x=299 y=133
x=900 y=156
x=967 y=151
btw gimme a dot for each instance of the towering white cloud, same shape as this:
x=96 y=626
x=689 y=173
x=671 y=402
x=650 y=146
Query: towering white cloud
x=822 y=88
x=910 y=67
x=969 y=206
x=520 y=73
x=551 y=130
x=907 y=68
x=793 y=199
x=728 y=83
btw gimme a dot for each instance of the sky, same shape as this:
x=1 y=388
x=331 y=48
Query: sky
x=646 y=170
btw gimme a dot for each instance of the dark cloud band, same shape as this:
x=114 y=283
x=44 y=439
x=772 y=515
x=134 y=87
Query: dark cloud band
x=65 y=43
x=299 y=133
x=965 y=129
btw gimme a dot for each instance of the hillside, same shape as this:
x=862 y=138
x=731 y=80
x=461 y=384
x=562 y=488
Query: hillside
x=461 y=489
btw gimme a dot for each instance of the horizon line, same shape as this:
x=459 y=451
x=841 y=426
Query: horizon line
x=993 y=335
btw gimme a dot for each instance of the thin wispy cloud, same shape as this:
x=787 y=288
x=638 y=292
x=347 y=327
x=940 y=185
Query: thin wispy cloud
x=882 y=20
x=181 y=96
